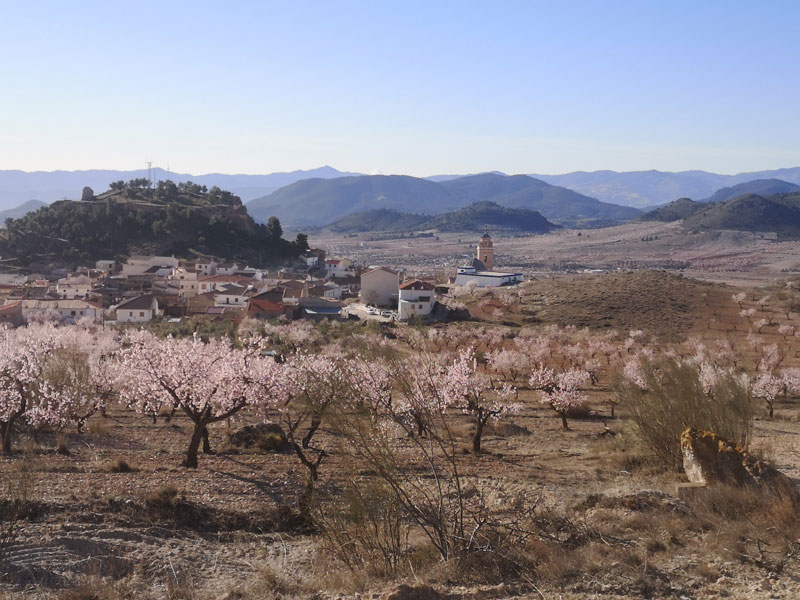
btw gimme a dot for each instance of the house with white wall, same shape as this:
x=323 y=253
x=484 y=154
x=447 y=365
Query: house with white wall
x=338 y=267
x=74 y=287
x=379 y=287
x=138 y=310
x=187 y=280
x=231 y=296
x=415 y=298
x=475 y=271
x=137 y=265
x=62 y=310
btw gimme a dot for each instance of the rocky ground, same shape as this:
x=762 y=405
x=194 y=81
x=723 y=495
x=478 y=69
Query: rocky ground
x=220 y=529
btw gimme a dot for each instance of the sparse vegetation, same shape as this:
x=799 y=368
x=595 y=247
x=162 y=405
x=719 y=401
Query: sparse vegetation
x=352 y=465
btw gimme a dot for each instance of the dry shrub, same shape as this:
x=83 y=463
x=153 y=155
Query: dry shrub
x=119 y=465
x=755 y=525
x=674 y=399
x=165 y=497
x=365 y=528
x=267 y=437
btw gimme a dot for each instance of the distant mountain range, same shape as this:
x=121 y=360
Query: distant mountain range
x=645 y=189
x=642 y=189
x=481 y=216
x=315 y=202
x=20 y=186
x=21 y=210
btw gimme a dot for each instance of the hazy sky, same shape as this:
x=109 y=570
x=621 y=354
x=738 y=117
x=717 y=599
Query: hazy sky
x=400 y=87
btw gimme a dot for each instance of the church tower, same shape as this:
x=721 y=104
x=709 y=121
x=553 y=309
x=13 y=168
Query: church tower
x=485 y=252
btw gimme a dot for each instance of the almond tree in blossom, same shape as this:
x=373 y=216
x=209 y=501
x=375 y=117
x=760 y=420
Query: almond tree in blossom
x=81 y=372
x=25 y=394
x=767 y=387
x=561 y=391
x=474 y=393
x=208 y=382
x=511 y=363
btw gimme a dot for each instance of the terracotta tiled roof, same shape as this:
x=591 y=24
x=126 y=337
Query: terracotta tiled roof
x=416 y=284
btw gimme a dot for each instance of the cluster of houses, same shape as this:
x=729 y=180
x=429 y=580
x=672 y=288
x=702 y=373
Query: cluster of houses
x=146 y=287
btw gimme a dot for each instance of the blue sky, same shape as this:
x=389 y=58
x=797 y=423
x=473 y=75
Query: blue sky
x=400 y=87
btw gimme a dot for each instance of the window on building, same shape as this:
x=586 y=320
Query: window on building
x=420 y=306
x=424 y=299
x=141 y=313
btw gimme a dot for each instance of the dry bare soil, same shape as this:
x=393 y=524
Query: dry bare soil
x=735 y=257
x=611 y=524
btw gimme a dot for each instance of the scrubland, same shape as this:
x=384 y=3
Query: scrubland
x=565 y=494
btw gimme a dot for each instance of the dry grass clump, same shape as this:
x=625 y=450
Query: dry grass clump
x=119 y=465
x=752 y=526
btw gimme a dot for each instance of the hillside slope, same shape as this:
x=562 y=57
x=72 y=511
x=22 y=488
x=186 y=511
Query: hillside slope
x=674 y=211
x=320 y=201
x=554 y=202
x=481 y=216
x=761 y=187
x=133 y=219
x=751 y=213
x=380 y=219
x=315 y=202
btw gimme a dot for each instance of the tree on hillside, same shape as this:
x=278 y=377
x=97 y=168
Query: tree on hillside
x=274 y=228
x=301 y=242
x=209 y=382
x=50 y=376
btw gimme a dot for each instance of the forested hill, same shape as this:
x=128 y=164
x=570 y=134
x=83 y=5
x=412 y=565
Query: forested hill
x=779 y=213
x=481 y=216
x=131 y=219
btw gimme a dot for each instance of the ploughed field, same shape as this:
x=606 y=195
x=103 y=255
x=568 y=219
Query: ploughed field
x=111 y=513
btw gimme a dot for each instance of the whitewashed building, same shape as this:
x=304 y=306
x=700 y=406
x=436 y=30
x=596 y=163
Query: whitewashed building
x=62 y=310
x=74 y=287
x=338 y=267
x=139 y=310
x=415 y=298
x=138 y=265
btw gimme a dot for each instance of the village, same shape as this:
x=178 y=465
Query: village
x=146 y=288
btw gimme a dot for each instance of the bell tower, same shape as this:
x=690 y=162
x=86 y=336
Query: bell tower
x=485 y=252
